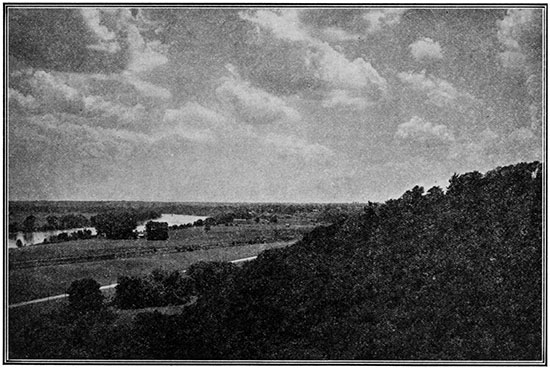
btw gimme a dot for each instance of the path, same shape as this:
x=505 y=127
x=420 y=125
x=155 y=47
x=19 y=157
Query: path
x=105 y=287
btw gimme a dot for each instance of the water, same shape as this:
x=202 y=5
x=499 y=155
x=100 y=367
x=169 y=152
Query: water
x=172 y=219
x=38 y=237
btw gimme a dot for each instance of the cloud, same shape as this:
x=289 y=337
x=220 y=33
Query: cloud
x=253 y=105
x=439 y=92
x=23 y=102
x=419 y=130
x=52 y=93
x=284 y=24
x=106 y=38
x=195 y=113
x=426 y=48
x=310 y=58
x=377 y=19
x=343 y=98
x=289 y=145
x=335 y=34
x=334 y=68
x=521 y=35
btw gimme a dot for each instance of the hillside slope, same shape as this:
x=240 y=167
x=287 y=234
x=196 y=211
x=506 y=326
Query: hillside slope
x=455 y=275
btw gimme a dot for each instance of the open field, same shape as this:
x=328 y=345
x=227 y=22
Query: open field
x=32 y=283
x=187 y=239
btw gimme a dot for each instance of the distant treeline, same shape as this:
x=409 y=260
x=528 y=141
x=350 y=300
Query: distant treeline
x=433 y=275
x=69 y=221
x=237 y=210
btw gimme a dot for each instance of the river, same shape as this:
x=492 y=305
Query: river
x=173 y=219
x=38 y=237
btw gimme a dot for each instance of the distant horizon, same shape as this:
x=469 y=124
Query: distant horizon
x=230 y=203
x=268 y=105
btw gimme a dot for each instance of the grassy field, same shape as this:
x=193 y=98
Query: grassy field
x=194 y=238
x=32 y=283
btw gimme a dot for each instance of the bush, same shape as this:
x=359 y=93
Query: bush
x=85 y=295
x=115 y=225
x=209 y=276
x=158 y=289
x=156 y=230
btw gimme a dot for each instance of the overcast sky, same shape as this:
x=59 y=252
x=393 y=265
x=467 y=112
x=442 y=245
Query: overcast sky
x=301 y=105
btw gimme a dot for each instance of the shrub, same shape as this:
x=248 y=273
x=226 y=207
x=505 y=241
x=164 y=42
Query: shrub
x=85 y=295
x=156 y=230
x=115 y=225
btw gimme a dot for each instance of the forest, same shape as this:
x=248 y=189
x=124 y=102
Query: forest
x=451 y=274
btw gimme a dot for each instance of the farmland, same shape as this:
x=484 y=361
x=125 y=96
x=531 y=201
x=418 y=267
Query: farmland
x=40 y=271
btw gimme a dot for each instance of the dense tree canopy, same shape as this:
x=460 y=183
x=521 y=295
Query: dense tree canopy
x=115 y=225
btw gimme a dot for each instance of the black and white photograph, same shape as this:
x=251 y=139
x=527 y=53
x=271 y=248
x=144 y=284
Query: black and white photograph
x=275 y=183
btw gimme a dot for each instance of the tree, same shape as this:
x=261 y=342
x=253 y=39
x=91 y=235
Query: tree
x=115 y=225
x=29 y=224
x=53 y=222
x=85 y=295
x=208 y=276
x=156 y=230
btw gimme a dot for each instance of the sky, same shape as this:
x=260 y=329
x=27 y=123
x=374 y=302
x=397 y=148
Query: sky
x=267 y=104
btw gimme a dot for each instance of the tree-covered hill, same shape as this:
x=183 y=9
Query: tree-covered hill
x=454 y=275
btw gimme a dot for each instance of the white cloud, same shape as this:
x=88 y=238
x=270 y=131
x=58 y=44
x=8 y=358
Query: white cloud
x=439 y=92
x=52 y=92
x=296 y=146
x=426 y=48
x=194 y=113
x=323 y=61
x=419 y=130
x=334 y=68
x=106 y=38
x=284 y=24
x=516 y=32
x=253 y=105
x=336 y=34
x=343 y=98
x=145 y=88
x=25 y=102
x=378 y=18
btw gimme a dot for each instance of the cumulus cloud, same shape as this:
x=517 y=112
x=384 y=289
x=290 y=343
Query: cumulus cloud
x=378 y=18
x=291 y=145
x=284 y=24
x=419 y=130
x=320 y=61
x=52 y=93
x=426 y=48
x=23 y=102
x=106 y=38
x=439 y=92
x=336 y=34
x=253 y=105
x=343 y=98
x=334 y=68
x=520 y=33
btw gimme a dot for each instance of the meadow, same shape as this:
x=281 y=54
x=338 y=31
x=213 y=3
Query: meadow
x=62 y=263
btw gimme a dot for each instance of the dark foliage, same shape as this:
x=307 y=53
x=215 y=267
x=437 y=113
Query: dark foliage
x=84 y=295
x=433 y=275
x=160 y=288
x=116 y=225
x=156 y=230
